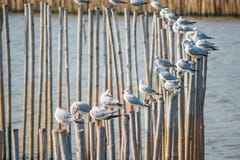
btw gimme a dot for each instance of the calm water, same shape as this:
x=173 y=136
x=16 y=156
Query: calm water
x=222 y=109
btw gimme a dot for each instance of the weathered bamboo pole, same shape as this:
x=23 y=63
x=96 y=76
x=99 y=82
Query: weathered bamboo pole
x=25 y=97
x=157 y=150
x=80 y=145
x=32 y=81
x=152 y=50
x=133 y=135
x=174 y=154
x=164 y=43
x=145 y=45
x=96 y=57
x=90 y=72
x=125 y=139
x=50 y=81
x=43 y=143
x=8 y=74
x=92 y=141
x=40 y=78
x=15 y=144
x=100 y=143
x=138 y=133
x=105 y=80
x=45 y=65
x=119 y=51
x=171 y=47
x=79 y=53
x=56 y=145
x=148 y=141
x=111 y=139
x=60 y=54
x=1 y=143
x=64 y=145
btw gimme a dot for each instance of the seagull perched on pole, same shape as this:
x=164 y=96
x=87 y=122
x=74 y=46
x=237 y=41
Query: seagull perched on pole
x=157 y=5
x=146 y=89
x=100 y=113
x=80 y=107
x=63 y=117
x=164 y=74
x=184 y=65
x=117 y=2
x=137 y=2
x=107 y=100
x=81 y=2
x=132 y=99
x=193 y=50
x=172 y=85
x=164 y=62
x=181 y=21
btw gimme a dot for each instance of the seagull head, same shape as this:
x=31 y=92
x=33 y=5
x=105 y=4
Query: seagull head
x=156 y=58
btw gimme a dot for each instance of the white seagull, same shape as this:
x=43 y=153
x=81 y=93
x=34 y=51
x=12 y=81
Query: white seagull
x=200 y=34
x=81 y=2
x=100 y=113
x=146 y=89
x=63 y=117
x=108 y=101
x=172 y=85
x=164 y=62
x=155 y=4
x=205 y=45
x=164 y=74
x=117 y=2
x=132 y=99
x=193 y=50
x=181 y=29
x=80 y=107
x=184 y=65
x=137 y=2
x=184 y=22
x=170 y=15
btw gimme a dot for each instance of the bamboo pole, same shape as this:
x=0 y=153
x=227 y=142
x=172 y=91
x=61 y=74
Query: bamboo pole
x=157 y=150
x=119 y=51
x=60 y=44
x=80 y=145
x=152 y=50
x=148 y=141
x=64 y=145
x=164 y=43
x=56 y=145
x=8 y=74
x=45 y=66
x=32 y=69
x=92 y=141
x=101 y=143
x=174 y=154
x=1 y=143
x=96 y=57
x=105 y=81
x=138 y=133
x=125 y=139
x=145 y=45
x=15 y=144
x=90 y=73
x=133 y=135
x=79 y=53
x=40 y=77
x=50 y=81
x=25 y=97
x=43 y=143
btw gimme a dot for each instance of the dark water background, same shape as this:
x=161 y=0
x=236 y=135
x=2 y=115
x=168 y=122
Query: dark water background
x=222 y=107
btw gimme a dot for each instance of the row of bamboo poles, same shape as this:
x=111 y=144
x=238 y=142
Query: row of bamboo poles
x=180 y=7
x=173 y=125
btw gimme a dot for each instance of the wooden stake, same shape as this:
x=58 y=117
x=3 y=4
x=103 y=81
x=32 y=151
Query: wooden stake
x=43 y=143
x=105 y=80
x=125 y=139
x=15 y=144
x=56 y=145
x=80 y=145
x=25 y=95
x=32 y=69
x=92 y=141
x=148 y=141
x=101 y=143
x=64 y=145
x=152 y=50
x=8 y=74
x=1 y=143
x=133 y=136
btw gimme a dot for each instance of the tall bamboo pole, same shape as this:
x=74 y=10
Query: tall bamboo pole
x=152 y=49
x=100 y=143
x=66 y=52
x=50 y=83
x=92 y=141
x=25 y=82
x=15 y=144
x=125 y=139
x=40 y=78
x=105 y=80
x=8 y=72
x=56 y=145
x=79 y=53
x=60 y=44
x=32 y=69
x=43 y=143
x=80 y=145
x=45 y=66
x=1 y=143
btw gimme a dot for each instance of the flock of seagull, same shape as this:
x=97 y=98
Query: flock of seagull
x=194 y=44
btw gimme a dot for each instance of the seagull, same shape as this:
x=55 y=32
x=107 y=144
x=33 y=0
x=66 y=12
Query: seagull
x=181 y=21
x=170 y=15
x=205 y=45
x=164 y=74
x=189 y=36
x=163 y=62
x=163 y=12
x=132 y=99
x=193 y=50
x=117 y=2
x=81 y=2
x=108 y=101
x=63 y=117
x=201 y=35
x=138 y=2
x=81 y=107
x=184 y=65
x=155 y=4
x=182 y=29
x=100 y=113
x=172 y=85
x=146 y=89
